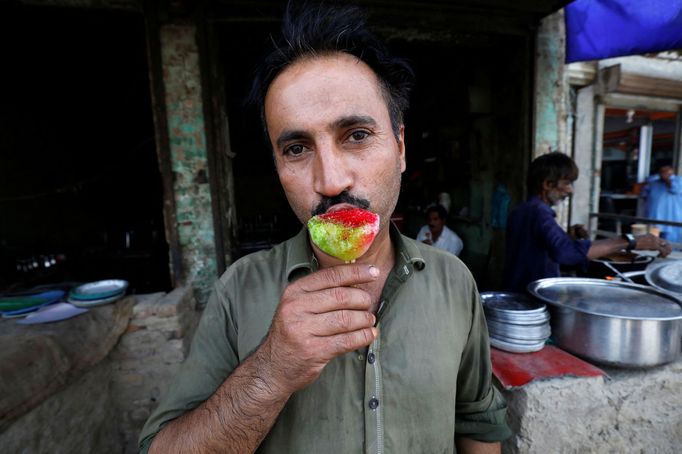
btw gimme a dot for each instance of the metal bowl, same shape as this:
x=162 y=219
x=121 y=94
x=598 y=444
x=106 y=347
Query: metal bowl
x=613 y=323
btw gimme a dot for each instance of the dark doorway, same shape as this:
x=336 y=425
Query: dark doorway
x=466 y=134
x=80 y=188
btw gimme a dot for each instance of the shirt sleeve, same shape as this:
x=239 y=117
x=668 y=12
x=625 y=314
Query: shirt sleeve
x=561 y=248
x=480 y=408
x=456 y=244
x=211 y=360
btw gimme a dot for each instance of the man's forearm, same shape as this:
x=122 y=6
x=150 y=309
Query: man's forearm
x=470 y=446
x=234 y=420
x=601 y=248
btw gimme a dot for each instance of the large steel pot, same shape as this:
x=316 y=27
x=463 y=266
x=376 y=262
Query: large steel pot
x=613 y=323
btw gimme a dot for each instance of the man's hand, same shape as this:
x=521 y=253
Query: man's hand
x=653 y=243
x=578 y=232
x=320 y=317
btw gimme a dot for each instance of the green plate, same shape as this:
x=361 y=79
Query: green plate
x=13 y=303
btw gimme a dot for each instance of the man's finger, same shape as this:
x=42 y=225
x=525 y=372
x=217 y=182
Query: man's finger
x=336 y=298
x=347 y=342
x=343 y=321
x=338 y=276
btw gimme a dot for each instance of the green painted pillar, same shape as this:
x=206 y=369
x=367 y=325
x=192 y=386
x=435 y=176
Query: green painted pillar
x=188 y=152
x=551 y=106
x=551 y=87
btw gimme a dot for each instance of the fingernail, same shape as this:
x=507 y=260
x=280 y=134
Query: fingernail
x=375 y=332
x=374 y=271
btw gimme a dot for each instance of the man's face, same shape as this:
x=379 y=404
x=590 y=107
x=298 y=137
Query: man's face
x=557 y=193
x=435 y=222
x=331 y=134
x=665 y=173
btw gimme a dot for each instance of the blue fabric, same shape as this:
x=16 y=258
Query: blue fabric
x=537 y=245
x=597 y=29
x=665 y=204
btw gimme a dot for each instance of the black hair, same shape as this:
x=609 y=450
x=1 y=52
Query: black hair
x=437 y=208
x=552 y=166
x=318 y=28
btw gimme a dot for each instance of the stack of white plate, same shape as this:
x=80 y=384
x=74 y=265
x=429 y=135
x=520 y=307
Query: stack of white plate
x=98 y=293
x=515 y=322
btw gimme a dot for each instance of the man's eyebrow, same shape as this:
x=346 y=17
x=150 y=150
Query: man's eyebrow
x=354 y=120
x=289 y=135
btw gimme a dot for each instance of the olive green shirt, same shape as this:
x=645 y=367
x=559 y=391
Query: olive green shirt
x=425 y=380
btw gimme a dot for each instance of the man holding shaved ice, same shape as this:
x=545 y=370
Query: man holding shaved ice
x=349 y=337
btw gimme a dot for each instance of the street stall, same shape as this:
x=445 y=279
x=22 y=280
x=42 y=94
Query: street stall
x=613 y=358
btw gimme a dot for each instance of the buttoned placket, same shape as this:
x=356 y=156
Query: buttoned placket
x=374 y=398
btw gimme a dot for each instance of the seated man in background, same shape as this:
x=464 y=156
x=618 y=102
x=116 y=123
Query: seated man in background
x=537 y=245
x=437 y=234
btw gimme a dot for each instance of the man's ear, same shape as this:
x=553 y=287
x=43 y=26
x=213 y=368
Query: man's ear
x=548 y=184
x=401 y=149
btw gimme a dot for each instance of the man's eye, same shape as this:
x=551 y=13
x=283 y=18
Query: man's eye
x=359 y=135
x=294 y=150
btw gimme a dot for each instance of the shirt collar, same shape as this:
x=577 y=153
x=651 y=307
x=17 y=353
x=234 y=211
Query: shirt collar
x=535 y=200
x=301 y=259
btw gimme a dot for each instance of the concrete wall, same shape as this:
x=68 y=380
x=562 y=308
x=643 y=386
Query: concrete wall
x=81 y=418
x=148 y=356
x=628 y=411
x=107 y=379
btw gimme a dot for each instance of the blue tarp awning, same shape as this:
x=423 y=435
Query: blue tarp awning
x=597 y=29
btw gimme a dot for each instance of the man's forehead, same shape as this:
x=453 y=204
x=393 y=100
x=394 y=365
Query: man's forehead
x=328 y=90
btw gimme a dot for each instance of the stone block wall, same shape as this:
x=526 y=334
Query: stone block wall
x=148 y=355
x=628 y=411
x=80 y=418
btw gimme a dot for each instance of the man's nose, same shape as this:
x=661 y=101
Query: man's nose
x=332 y=175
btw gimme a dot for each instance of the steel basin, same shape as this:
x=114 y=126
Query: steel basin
x=612 y=323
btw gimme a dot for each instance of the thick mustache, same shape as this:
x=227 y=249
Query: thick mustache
x=344 y=197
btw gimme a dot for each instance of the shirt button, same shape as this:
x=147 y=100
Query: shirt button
x=373 y=403
x=361 y=357
x=371 y=357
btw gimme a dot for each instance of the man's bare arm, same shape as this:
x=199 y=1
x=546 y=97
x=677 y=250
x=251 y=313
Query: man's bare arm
x=234 y=420
x=470 y=446
x=319 y=317
x=601 y=248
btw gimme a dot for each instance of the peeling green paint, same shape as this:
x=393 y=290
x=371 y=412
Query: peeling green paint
x=550 y=92
x=186 y=126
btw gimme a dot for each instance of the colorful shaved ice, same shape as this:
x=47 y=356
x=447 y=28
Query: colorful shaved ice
x=344 y=234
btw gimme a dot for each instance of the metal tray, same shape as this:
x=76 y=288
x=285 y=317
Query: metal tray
x=666 y=275
x=515 y=348
x=515 y=308
x=535 y=332
x=99 y=290
x=608 y=298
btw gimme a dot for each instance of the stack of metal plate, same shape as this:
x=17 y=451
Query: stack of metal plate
x=98 y=293
x=515 y=322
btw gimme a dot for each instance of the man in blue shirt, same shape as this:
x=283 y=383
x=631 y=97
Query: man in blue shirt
x=663 y=195
x=537 y=245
